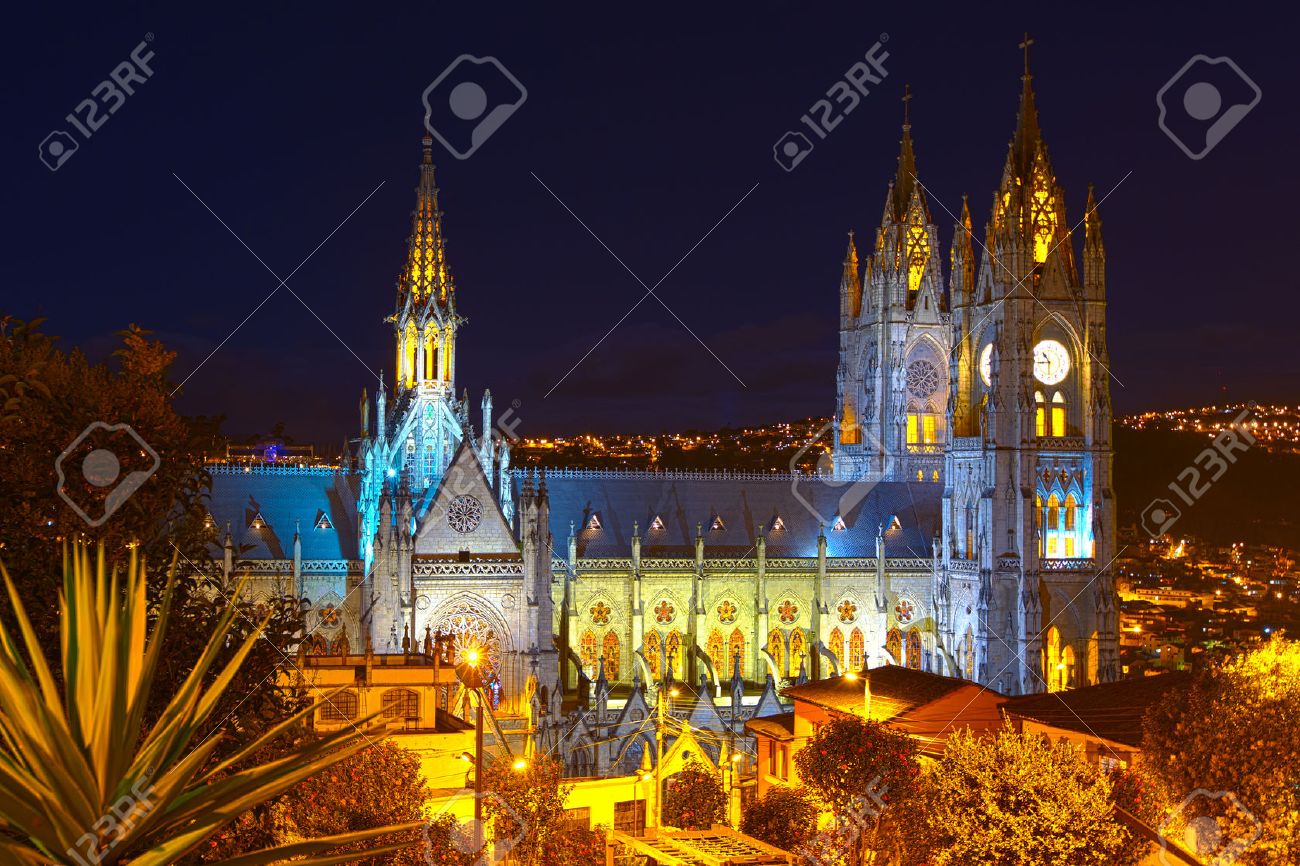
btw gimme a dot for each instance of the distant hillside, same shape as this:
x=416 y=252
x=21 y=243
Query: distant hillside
x=1255 y=500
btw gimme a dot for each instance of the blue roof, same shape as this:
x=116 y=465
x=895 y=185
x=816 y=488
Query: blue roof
x=740 y=506
x=287 y=501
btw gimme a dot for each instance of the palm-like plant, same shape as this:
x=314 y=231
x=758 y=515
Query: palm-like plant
x=81 y=780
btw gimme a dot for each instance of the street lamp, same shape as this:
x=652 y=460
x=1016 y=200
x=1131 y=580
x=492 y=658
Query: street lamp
x=852 y=677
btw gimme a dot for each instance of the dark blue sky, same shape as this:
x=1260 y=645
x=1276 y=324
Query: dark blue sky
x=650 y=125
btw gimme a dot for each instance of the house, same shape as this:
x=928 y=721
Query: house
x=1105 y=720
x=928 y=707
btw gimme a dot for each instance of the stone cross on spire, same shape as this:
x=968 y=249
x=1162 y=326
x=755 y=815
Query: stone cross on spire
x=1024 y=46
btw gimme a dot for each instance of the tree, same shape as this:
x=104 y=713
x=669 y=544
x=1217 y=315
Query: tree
x=857 y=767
x=376 y=787
x=693 y=798
x=1236 y=730
x=1014 y=798
x=576 y=846
x=83 y=776
x=784 y=817
x=49 y=398
x=524 y=808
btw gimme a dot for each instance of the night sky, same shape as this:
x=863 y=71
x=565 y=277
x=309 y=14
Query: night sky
x=649 y=125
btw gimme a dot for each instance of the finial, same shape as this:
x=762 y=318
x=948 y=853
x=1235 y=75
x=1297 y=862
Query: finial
x=907 y=98
x=1025 y=47
x=428 y=148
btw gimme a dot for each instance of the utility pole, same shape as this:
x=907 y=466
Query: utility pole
x=659 y=761
x=478 y=776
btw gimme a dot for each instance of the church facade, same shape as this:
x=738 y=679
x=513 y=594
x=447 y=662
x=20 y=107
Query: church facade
x=965 y=525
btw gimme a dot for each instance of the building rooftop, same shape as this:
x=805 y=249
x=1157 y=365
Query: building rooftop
x=1111 y=711
x=668 y=509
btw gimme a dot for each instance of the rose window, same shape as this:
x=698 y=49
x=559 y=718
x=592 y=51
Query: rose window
x=848 y=611
x=464 y=514
x=787 y=611
x=600 y=613
x=727 y=612
x=904 y=610
x=664 y=612
x=922 y=379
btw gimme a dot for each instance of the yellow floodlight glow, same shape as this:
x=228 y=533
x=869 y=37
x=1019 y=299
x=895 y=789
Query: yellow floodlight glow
x=471 y=657
x=521 y=764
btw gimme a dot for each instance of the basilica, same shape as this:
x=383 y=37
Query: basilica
x=964 y=522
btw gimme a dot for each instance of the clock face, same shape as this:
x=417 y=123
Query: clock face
x=1051 y=362
x=986 y=364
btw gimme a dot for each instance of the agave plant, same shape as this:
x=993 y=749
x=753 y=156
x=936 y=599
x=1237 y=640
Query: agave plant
x=81 y=780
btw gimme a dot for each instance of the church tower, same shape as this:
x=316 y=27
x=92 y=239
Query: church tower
x=1028 y=504
x=894 y=342
x=406 y=451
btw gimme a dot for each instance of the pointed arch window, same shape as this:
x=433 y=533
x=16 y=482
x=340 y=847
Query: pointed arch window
x=914 y=648
x=587 y=652
x=857 y=651
x=894 y=645
x=797 y=651
x=717 y=654
x=611 y=650
x=776 y=648
x=970 y=653
x=836 y=643
x=736 y=650
x=1040 y=414
x=673 y=655
x=1058 y=414
x=654 y=653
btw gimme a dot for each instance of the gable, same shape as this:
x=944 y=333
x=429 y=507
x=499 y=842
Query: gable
x=464 y=514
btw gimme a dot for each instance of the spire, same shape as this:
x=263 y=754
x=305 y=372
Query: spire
x=905 y=179
x=1028 y=136
x=1092 y=224
x=850 y=284
x=425 y=275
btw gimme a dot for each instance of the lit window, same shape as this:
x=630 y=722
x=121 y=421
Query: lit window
x=257 y=522
x=323 y=522
x=717 y=524
x=1058 y=414
x=657 y=525
x=1040 y=415
x=593 y=522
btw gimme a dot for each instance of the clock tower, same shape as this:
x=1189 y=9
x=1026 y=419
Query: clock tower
x=1028 y=502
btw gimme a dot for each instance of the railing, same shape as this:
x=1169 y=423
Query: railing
x=671 y=475
x=968 y=443
x=1062 y=443
x=1067 y=564
x=225 y=468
